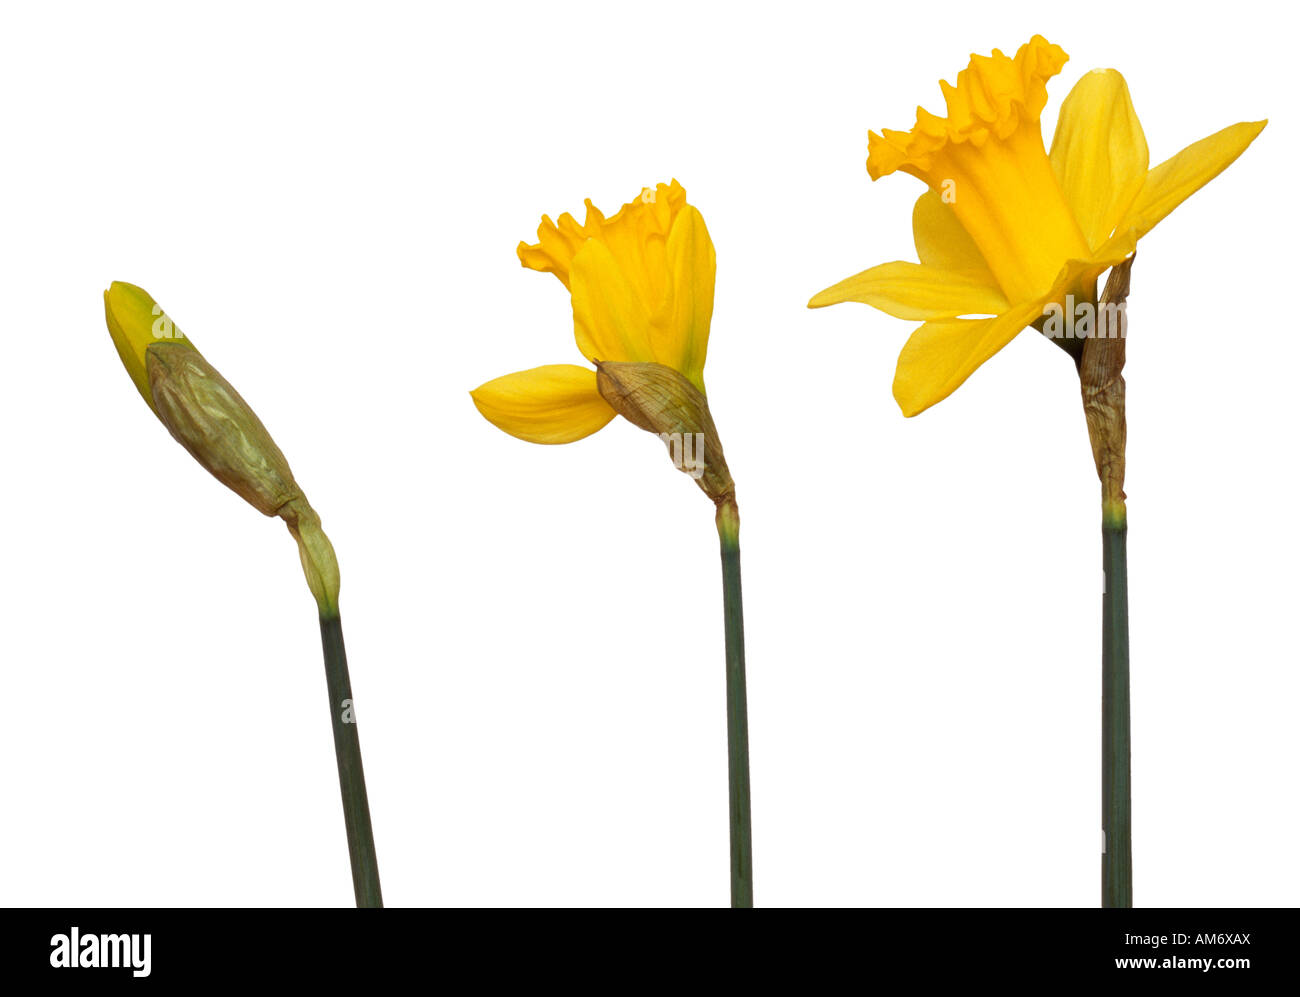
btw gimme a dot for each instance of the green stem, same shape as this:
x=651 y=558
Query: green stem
x=742 y=868
x=352 y=779
x=1117 y=859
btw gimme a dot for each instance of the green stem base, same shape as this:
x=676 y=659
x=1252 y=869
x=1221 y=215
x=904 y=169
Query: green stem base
x=352 y=779
x=1116 y=750
x=742 y=867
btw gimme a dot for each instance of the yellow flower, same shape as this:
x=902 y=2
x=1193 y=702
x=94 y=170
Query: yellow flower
x=1007 y=229
x=641 y=283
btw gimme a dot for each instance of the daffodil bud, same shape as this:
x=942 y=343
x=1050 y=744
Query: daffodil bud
x=1101 y=379
x=663 y=401
x=210 y=419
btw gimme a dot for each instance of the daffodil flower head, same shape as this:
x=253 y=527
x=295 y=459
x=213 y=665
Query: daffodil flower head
x=641 y=283
x=1008 y=228
x=641 y=286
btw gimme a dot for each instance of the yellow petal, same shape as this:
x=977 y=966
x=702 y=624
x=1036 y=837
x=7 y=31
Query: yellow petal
x=941 y=354
x=683 y=340
x=610 y=319
x=1099 y=153
x=1181 y=176
x=942 y=242
x=914 y=290
x=557 y=403
x=134 y=321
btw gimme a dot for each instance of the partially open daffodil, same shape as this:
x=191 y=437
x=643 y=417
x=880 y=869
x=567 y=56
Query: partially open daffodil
x=1007 y=229
x=642 y=288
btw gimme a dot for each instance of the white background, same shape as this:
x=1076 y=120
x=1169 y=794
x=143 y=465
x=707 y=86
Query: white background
x=327 y=199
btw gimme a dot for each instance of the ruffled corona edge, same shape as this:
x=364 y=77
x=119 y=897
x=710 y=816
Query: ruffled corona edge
x=994 y=95
x=648 y=215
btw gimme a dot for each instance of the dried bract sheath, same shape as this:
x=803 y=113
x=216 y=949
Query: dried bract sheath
x=661 y=400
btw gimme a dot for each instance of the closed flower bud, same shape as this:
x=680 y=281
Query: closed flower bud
x=210 y=419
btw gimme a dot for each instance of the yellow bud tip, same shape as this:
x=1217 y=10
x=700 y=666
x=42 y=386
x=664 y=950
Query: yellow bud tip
x=135 y=321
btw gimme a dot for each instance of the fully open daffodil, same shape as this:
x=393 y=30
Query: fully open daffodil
x=1007 y=229
x=642 y=288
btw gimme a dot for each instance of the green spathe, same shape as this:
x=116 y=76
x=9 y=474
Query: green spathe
x=210 y=419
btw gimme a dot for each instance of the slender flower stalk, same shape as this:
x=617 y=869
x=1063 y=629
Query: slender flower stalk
x=1116 y=741
x=352 y=778
x=742 y=855
x=641 y=283
x=1011 y=235
x=207 y=416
